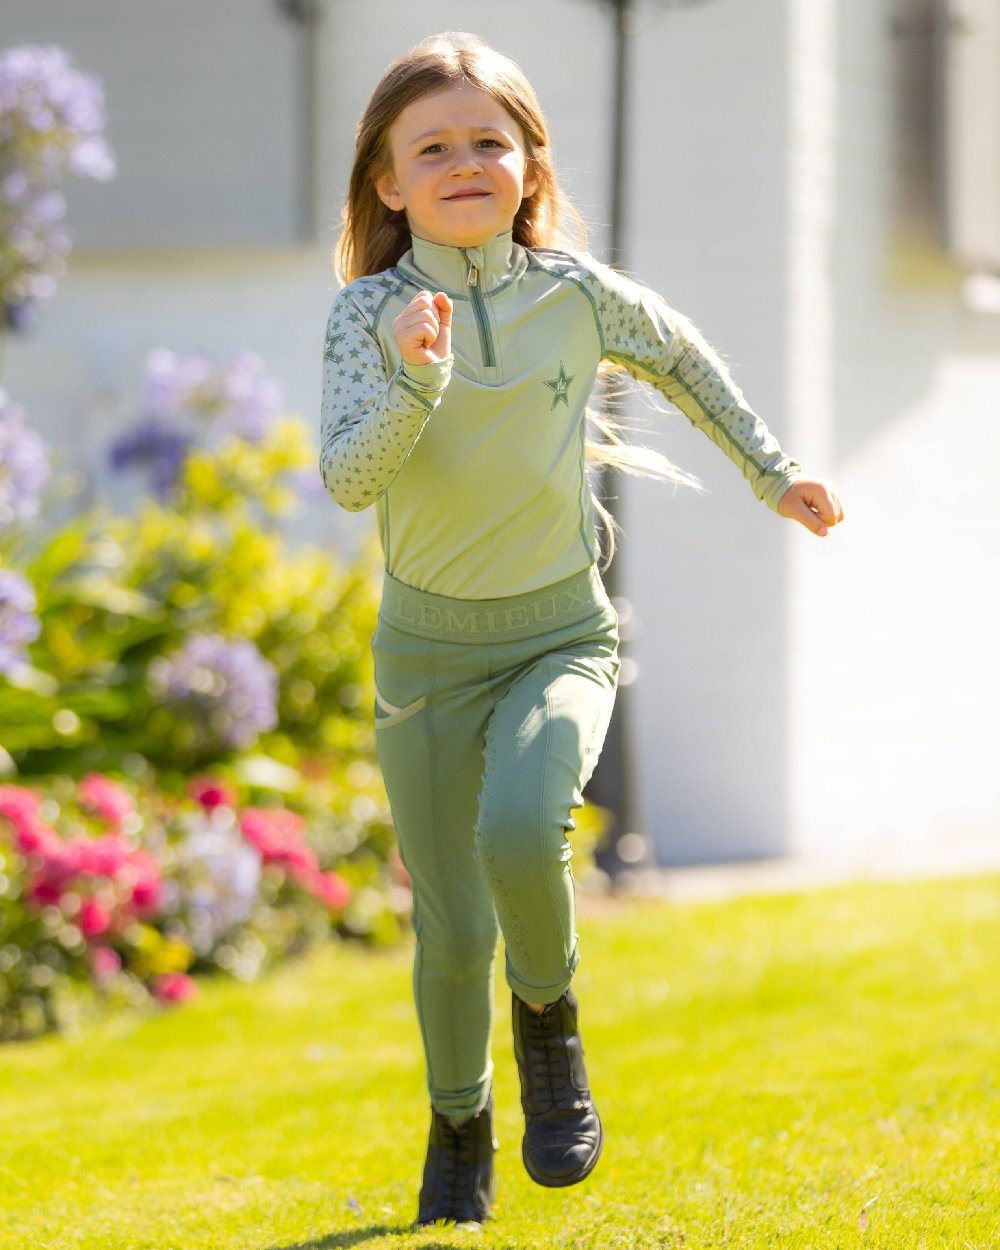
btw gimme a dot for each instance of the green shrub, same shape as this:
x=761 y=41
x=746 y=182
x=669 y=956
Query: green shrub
x=189 y=638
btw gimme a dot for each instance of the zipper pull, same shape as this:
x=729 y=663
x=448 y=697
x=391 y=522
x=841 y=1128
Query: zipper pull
x=473 y=258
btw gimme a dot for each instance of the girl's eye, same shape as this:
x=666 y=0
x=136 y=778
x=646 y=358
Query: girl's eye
x=432 y=149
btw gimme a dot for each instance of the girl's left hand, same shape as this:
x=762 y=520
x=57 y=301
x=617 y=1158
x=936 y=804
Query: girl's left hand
x=814 y=503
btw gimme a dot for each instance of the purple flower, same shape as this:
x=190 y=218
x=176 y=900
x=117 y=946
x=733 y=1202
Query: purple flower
x=18 y=623
x=250 y=399
x=51 y=123
x=18 y=317
x=154 y=445
x=225 y=689
x=14 y=187
x=50 y=206
x=172 y=384
x=184 y=398
x=42 y=94
x=91 y=158
x=239 y=396
x=222 y=878
x=24 y=466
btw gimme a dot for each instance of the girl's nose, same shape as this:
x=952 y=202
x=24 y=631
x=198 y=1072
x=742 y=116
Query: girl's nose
x=467 y=162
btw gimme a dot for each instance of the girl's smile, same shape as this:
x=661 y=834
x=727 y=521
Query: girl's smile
x=459 y=167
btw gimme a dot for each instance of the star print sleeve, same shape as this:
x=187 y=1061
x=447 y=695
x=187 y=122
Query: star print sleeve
x=658 y=345
x=370 y=419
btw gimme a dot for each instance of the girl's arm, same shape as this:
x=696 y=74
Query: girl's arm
x=370 y=418
x=656 y=344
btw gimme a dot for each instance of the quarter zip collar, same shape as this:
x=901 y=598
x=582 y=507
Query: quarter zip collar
x=455 y=269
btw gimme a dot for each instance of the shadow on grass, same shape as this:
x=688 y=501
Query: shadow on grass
x=350 y=1237
x=358 y=1237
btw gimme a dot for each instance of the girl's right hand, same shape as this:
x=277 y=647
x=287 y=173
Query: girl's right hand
x=423 y=329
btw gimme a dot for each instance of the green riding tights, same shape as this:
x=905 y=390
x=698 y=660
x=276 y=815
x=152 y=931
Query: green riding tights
x=490 y=716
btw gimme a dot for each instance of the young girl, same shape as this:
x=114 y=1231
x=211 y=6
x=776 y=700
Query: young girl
x=458 y=363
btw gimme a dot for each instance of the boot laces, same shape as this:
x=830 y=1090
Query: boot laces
x=548 y=1065
x=459 y=1160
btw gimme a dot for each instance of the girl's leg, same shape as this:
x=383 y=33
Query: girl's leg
x=540 y=671
x=430 y=725
x=543 y=741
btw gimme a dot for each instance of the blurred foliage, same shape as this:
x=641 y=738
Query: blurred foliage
x=117 y=595
x=114 y=592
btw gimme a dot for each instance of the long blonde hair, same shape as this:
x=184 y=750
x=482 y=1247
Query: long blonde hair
x=375 y=236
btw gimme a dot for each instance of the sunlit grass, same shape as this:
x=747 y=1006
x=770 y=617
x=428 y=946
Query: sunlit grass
x=767 y=1069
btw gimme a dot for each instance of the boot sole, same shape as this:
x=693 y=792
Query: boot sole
x=449 y=1222
x=562 y=1182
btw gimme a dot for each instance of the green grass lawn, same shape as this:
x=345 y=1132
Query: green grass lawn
x=766 y=1069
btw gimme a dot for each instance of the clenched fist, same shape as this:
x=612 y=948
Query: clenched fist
x=814 y=503
x=423 y=329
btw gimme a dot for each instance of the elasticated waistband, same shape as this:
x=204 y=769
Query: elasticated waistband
x=575 y=599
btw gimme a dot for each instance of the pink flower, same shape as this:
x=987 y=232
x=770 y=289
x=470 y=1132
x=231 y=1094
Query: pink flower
x=52 y=858
x=299 y=861
x=39 y=840
x=173 y=987
x=32 y=837
x=211 y=794
x=95 y=918
x=44 y=892
x=279 y=835
x=105 y=856
x=20 y=806
x=330 y=888
x=271 y=825
x=106 y=799
x=145 y=883
x=67 y=859
x=105 y=964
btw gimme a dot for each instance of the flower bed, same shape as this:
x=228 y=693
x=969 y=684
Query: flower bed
x=119 y=896
x=188 y=639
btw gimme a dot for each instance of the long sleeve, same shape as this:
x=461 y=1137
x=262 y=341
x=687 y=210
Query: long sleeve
x=371 y=416
x=658 y=345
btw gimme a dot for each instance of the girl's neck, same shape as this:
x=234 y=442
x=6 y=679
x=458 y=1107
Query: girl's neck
x=456 y=269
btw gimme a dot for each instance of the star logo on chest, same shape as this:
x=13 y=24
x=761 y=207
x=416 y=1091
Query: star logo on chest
x=559 y=386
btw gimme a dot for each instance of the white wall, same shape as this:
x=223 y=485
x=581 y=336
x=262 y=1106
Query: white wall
x=831 y=699
x=707 y=574
x=895 y=680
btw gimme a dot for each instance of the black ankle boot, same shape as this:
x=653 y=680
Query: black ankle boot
x=562 y=1130
x=458 y=1175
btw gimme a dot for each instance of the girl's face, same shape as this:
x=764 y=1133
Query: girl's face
x=459 y=167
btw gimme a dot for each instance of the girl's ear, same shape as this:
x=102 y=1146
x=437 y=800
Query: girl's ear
x=388 y=190
x=532 y=180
